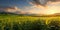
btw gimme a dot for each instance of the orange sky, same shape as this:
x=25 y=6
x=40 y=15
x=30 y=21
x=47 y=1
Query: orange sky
x=50 y=8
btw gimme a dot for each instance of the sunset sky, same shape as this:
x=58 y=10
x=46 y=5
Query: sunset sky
x=30 y=6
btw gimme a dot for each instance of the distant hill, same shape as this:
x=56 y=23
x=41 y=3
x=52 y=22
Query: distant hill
x=34 y=15
x=6 y=13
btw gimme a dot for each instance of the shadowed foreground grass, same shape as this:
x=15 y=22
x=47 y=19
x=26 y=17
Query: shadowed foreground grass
x=12 y=22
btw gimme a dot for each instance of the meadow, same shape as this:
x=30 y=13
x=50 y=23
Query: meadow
x=17 y=22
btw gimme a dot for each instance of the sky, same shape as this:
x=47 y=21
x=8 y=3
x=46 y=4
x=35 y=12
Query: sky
x=30 y=6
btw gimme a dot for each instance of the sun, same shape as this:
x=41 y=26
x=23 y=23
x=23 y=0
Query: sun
x=49 y=12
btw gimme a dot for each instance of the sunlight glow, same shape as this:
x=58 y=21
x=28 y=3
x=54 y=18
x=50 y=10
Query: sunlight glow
x=50 y=12
x=50 y=8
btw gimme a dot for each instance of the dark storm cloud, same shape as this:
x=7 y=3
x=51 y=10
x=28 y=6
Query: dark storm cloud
x=42 y=2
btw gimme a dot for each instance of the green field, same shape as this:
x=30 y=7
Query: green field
x=17 y=22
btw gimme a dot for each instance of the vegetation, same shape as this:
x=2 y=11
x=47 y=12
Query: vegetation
x=17 y=22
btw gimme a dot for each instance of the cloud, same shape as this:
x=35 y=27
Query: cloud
x=42 y=2
x=39 y=2
x=8 y=9
x=11 y=9
x=51 y=8
x=38 y=7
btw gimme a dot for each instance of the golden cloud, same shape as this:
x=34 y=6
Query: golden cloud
x=50 y=8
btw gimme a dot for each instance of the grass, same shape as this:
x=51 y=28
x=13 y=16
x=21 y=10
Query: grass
x=17 y=22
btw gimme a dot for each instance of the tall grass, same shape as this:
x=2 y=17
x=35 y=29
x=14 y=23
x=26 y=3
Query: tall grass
x=29 y=23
